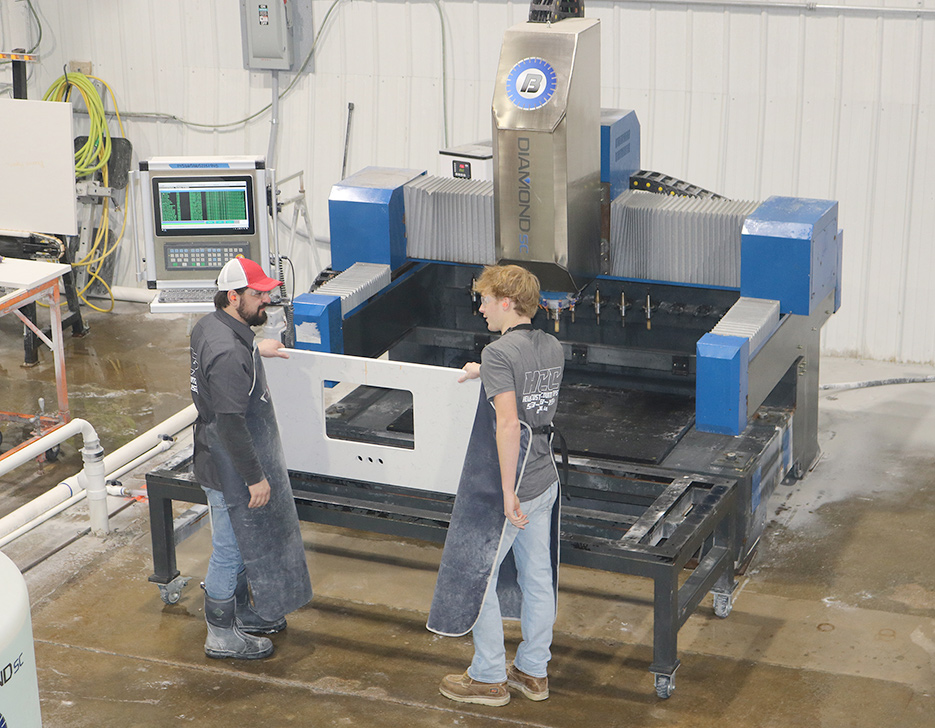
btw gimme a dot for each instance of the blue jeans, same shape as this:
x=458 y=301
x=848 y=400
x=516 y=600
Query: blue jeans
x=533 y=556
x=226 y=562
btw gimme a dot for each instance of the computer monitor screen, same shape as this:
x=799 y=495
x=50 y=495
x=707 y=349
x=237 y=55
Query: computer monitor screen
x=208 y=206
x=198 y=213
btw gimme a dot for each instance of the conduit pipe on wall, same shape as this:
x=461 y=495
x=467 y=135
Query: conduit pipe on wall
x=273 y=125
x=811 y=7
x=152 y=440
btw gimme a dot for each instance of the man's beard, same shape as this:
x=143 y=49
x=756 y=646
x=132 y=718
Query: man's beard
x=256 y=319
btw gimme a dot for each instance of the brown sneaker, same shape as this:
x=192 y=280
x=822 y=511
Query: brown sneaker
x=534 y=688
x=465 y=690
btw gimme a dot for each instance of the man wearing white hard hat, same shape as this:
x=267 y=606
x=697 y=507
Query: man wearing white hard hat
x=257 y=547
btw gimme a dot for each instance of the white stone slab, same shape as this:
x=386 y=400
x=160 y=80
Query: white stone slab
x=21 y=273
x=37 y=167
x=443 y=413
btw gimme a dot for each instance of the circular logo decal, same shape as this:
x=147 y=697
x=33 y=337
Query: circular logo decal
x=531 y=83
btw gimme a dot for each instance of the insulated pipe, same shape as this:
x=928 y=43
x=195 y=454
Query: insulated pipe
x=76 y=483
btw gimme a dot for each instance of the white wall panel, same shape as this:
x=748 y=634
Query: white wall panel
x=747 y=101
x=918 y=296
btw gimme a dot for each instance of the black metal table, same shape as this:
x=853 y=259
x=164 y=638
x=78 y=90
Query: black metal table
x=626 y=519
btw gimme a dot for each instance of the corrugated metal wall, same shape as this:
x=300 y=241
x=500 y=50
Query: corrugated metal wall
x=746 y=100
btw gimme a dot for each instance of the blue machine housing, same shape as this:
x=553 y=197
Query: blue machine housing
x=721 y=368
x=319 y=325
x=790 y=252
x=367 y=217
x=620 y=148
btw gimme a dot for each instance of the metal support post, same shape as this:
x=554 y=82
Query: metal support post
x=30 y=340
x=665 y=631
x=805 y=415
x=163 y=537
x=19 y=76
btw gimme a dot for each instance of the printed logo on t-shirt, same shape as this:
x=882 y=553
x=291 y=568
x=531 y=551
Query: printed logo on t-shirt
x=540 y=389
x=194 y=371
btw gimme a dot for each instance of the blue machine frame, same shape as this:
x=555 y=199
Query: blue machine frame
x=755 y=394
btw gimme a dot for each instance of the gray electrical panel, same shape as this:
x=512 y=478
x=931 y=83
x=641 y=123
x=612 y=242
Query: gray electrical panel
x=277 y=34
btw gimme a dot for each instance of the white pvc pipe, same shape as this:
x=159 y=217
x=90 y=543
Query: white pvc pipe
x=115 y=490
x=131 y=293
x=55 y=437
x=127 y=293
x=91 y=454
x=77 y=483
x=164 y=445
x=121 y=491
x=35 y=508
x=140 y=444
x=94 y=486
x=42 y=518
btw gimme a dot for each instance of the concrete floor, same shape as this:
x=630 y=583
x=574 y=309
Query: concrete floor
x=834 y=623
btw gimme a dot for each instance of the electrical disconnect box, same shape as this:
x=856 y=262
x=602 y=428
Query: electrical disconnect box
x=277 y=34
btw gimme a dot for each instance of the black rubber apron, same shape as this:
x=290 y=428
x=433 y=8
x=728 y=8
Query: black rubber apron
x=475 y=533
x=269 y=538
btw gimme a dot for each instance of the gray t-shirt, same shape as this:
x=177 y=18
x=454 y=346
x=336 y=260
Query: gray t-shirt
x=529 y=363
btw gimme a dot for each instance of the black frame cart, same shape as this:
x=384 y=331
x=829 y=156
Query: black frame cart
x=626 y=519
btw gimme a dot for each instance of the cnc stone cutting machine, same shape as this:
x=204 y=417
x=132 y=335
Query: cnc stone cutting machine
x=690 y=324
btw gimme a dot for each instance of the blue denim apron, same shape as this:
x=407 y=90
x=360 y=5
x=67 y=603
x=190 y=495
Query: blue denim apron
x=475 y=532
x=269 y=538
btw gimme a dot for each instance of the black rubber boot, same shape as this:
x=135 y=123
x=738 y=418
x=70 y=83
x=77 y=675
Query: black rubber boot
x=225 y=639
x=248 y=620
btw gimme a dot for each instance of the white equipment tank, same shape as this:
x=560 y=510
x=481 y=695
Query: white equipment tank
x=19 y=682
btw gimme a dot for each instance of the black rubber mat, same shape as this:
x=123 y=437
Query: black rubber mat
x=622 y=424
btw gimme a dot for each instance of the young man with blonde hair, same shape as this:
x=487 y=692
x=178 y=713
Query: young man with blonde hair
x=506 y=507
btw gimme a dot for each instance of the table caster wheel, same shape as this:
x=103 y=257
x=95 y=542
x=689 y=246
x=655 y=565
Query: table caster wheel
x=723 y=604
x=665 y=686
x=172 y=592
